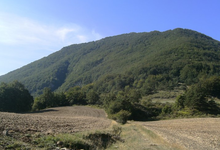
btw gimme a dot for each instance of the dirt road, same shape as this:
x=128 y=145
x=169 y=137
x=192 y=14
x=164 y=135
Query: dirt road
x=190 y=134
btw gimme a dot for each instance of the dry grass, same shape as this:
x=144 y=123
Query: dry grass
x=196 y=133
x=137 y=137
x=164 y=96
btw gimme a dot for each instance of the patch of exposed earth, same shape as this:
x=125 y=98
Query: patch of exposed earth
x=55 y=120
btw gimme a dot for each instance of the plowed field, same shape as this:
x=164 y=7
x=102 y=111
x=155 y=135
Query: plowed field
x=55 y=120
x=189 y=134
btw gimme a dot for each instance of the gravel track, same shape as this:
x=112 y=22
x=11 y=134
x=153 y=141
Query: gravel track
x=56 y=120
x=191 y=134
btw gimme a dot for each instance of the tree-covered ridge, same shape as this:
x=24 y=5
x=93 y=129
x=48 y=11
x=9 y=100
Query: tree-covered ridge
x=146 y=61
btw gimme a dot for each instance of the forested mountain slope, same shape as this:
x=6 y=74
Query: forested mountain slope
x=141 y=60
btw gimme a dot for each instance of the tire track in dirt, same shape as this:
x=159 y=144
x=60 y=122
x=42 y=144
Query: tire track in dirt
x=192 y=134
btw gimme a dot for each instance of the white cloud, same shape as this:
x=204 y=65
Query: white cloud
x=19 y=30
x=24 y=40
x=62 y=33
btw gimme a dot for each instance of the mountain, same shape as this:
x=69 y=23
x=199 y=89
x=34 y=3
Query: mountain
x=171 y=57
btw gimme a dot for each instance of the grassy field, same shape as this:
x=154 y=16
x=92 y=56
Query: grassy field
x=163 y=96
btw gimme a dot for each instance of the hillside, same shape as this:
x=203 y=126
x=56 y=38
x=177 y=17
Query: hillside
x=171 y=57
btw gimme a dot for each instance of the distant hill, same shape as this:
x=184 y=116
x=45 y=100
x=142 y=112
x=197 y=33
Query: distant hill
x=141 y=60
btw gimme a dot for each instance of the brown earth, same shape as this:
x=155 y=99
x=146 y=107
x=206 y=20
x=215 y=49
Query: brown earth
x=190 y=134
x=55 y=120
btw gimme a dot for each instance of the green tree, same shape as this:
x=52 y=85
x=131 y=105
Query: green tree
x=92 y=97
x=75 y=96
x=122 y=116
x=39 y=104
x=134 y=96
x=200 y=96
x=45 y=100
x=48 y=97
x=60 y=99
x=14 y=97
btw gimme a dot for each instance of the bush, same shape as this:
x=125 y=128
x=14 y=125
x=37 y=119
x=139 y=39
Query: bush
x=167 y=109
x=122 y=116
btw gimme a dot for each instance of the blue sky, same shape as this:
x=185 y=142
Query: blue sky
x=32 y=29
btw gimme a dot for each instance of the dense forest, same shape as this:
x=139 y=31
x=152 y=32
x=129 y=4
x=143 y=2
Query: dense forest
x=116 y=72
x=141 y=60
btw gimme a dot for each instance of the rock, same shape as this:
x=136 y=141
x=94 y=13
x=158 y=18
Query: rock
x=5 y=133
x=49 y=132
x=59 y=143
x=65 y=148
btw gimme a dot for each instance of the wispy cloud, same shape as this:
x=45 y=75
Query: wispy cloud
x=24 y=40
x=22 y=31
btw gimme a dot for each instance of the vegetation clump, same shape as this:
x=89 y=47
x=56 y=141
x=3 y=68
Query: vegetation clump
x=201 y=96
x=86 y=140
x=14 y=97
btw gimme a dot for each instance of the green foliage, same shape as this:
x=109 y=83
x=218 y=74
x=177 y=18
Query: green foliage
x=180 y=102
x=14 y=97
x=125 y=105
x=60 y=99
x=167 y=109
x=49 y=99
x=45 y=100
x=92 y=97
x=122 y=116
x=117 y=71
x=200 y=96
x=75 y=96
x=186 y=112
x=16 y=146
x=66 y=140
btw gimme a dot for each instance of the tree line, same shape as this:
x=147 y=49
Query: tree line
x=198 y=99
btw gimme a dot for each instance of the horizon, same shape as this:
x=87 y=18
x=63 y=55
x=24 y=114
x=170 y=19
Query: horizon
x=31 y=30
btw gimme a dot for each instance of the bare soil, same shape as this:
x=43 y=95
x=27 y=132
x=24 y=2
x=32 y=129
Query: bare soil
x=55 y=120
x=190 y=134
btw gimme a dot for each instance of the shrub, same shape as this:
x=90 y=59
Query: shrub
x=167 y=109
x=122 y=116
